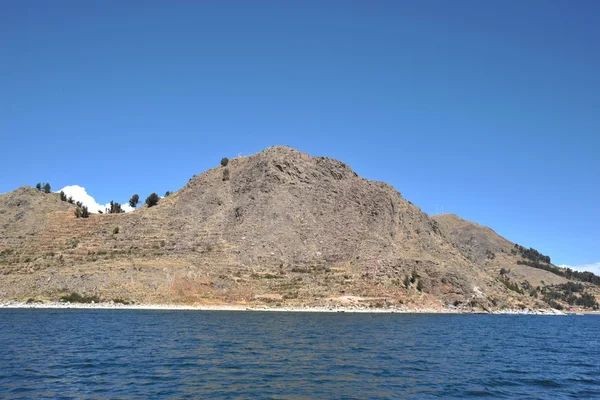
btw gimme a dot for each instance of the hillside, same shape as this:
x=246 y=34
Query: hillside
x=490 y=251
x=285 y=228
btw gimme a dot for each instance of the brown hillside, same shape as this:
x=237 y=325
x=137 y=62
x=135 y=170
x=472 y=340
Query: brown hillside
x=285 y=228
x=490 y=251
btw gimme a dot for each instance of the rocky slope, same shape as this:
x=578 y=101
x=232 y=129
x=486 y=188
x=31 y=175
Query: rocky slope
x=284 y=229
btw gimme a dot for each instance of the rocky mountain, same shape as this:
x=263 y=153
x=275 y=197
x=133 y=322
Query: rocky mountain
x=278 y=227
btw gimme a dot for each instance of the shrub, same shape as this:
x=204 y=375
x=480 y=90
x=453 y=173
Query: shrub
x=224 y=161
x=413 y=276
x=419 y=285
x=152 y=200
x=78 y=298
x=47 y=188
x=134 y=200
x=116 y=230
x=63 y=196
x=225 y=174
x=82 y=212
x=38 y=186
x=70 y=200
x=167 y=193
x=115 y=208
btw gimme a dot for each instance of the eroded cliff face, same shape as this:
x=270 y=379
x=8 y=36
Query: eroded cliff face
x=284 y=228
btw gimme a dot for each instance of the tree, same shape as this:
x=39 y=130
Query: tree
x=152 y=200
x=47 y=188
x=167 y=193
x=38 y=186
x=115 y=208
x=224 y=161
x=79 y=204
x=134 y=200
x=63 y=196
x=70 y=200
x=82 y=212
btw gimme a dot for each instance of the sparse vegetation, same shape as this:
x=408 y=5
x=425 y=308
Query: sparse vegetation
x=571 y=293
x=115 y=208
x=134 y=200
x=152 y=200
x=414 y=276
x=80 y=298
x=531 y=254
x=82 y=212
x=510 y=285
x=116 y=230
x=225 y=174
x=419 y=285
x=568 y=273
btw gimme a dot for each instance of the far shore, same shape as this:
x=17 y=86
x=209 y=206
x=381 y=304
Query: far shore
x=174 y=307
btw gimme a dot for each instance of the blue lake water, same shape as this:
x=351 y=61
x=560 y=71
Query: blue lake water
x=180 y=354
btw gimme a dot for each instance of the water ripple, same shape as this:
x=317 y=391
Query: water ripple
x=141 y=354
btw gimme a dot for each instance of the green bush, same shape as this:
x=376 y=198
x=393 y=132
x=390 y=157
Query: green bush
x=115 y=208
x=419 y=285
x=79 y=298
x=47 y=188
x=225 y=174
x=152 y=200
x=63 y=196
x=133 y=202
x=116 y=230
x=224 y=161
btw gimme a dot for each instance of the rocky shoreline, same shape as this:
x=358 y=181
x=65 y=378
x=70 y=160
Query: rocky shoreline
x=168 y=307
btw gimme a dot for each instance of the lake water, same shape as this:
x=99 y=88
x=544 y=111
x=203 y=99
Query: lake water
x=198 y=354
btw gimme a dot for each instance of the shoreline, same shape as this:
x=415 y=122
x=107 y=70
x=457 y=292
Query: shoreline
x=350 y=310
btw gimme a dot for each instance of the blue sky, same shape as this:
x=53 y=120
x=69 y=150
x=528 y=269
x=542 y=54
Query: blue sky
x=489 y=109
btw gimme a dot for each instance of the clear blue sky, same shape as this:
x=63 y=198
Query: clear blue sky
x=489 y=108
